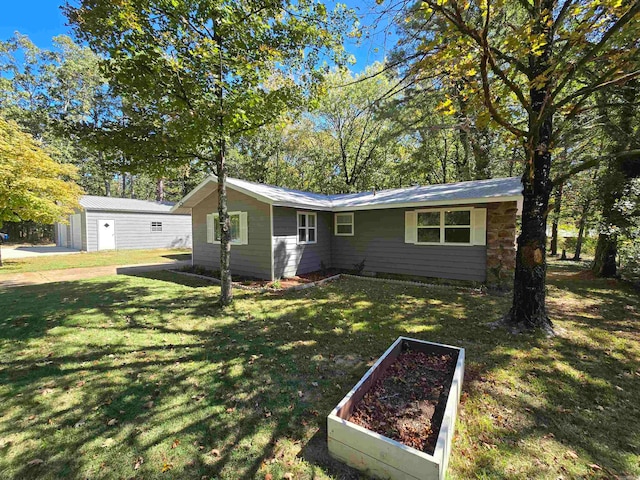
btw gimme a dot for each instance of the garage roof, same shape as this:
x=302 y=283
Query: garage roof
x=94 y=203
x=478 y=191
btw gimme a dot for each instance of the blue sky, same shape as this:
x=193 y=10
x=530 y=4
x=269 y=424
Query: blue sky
x=42 y=19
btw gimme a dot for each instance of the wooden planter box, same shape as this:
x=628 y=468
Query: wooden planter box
x=383 y=457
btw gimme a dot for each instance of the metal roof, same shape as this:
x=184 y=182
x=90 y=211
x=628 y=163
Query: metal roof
x=478 y=191
x=91 y=202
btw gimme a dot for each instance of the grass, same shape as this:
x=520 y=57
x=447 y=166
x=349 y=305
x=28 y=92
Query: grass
x=93 y=259
x=144 y=377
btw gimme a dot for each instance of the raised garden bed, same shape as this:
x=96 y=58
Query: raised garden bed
x=398 y=421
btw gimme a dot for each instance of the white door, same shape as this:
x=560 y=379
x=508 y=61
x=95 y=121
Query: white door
x=106 y=234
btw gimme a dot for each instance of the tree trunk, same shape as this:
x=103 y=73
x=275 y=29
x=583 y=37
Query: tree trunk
x=0 y=253
x=581 y=226
x=160 y=190
x=226 y=293
x=604 y=263
x=556 y=219
x=124 y=185
x=528 y=310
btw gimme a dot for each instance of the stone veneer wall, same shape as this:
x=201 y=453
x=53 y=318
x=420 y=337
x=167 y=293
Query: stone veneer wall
x=501 y=242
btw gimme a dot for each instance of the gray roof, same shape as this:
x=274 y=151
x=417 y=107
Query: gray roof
x=478 y=191
x=91 y=202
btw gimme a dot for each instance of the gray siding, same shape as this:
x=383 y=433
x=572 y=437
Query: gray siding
x=291 y=259
x=254 y=259
x=133 y=230
x=379 y=240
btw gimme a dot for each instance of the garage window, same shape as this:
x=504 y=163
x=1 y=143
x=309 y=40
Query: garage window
x=156 y=226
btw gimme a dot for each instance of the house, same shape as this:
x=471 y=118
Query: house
x=460 y=231
x=109 y=223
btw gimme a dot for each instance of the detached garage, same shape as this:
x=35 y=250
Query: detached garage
x=108 y=223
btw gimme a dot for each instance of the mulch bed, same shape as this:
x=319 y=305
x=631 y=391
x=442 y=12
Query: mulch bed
x=281 y=284
x=407 y=403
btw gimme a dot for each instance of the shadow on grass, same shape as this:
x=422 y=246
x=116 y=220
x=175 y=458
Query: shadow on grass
x=95 y=375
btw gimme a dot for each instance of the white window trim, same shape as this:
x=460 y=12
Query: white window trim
x=442 y=226
x=216 y=219
x=335 y=223
x=308 y=214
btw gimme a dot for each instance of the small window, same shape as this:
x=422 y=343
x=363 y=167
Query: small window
x=237 y=225
x=156 y=226
x=343 y=224
x=307 y=230
x=444 y=227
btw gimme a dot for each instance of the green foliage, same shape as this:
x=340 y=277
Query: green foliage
x=32 y=185
x=191 y=75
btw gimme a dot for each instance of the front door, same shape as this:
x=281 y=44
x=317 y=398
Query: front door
x=106 y=234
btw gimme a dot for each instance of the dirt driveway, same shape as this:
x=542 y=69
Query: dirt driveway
x=27 y=251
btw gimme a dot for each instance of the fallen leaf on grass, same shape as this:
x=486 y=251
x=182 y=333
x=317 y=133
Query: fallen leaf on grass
x=215 y=452
x=595 y=466
x=108 y=443
x=112 y=422
x=166 y=467
x=268 y=476
x=138 y=463
x=175 y=443
x=288 y=476
x=148 y=405
x=571 y=454
x=35 y=461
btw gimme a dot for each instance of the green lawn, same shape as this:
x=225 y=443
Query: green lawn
x=124 y=377
x=93 y=259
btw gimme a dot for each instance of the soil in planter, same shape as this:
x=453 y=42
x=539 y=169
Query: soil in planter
x=407 y=403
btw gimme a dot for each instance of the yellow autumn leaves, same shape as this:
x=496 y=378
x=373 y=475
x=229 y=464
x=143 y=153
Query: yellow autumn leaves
x=32 y=185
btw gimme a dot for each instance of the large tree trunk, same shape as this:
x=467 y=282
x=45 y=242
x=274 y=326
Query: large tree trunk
x=528 y=310
x=226 y=293
x=604 y=263
x=556 y=219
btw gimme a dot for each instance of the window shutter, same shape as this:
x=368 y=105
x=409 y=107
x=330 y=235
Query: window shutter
x=244 y=229
x=210 y=220
x=479 y=226
x=410 y=228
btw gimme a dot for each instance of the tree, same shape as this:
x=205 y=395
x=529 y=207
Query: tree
x=620 y=126
x=32 y=185
x=200 y=74
x=529 y=63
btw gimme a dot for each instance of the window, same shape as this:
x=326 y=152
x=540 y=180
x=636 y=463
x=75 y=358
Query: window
x=156 y=226
x=306 y=228
x=237 y=226
x=443 y=227
x=343 y=224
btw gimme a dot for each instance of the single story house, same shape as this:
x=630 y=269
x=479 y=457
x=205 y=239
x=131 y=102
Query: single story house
x=110 y=223
x=460 y=231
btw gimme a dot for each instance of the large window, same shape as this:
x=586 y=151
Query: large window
x=307 y=228
x=237 y=226
x=343 y=224
x=444 y=227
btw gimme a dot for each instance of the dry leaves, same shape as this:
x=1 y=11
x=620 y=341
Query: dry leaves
x=35 y=461
x=138 y=463
x=166 y=467
x=215 y=452
x=112 y=422
x=175 y=443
